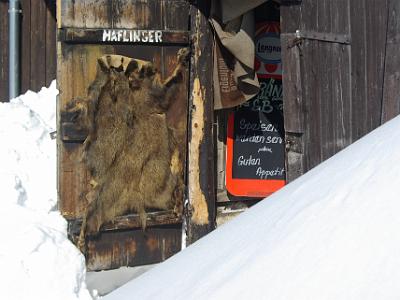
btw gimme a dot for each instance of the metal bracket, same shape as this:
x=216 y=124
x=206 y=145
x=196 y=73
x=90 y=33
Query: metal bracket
x=53 y=135
x=14 y=10
x=319 y=36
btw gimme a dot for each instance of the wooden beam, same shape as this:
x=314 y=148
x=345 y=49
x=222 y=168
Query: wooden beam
x=123 y=36
x=130 y=222
x=200 y=214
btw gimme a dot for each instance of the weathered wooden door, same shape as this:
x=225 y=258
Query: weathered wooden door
x=109 y=53
x=338 y=82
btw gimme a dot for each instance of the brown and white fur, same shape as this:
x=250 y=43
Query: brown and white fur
x=130 y=150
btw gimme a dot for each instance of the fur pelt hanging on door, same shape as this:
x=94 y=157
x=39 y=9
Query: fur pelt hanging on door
x=130 y=151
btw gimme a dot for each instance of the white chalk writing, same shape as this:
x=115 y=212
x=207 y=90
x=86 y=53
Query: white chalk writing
x=250 y=161
x=265 y=174
x=265 y=149
x=258 y=139
x=260 y=126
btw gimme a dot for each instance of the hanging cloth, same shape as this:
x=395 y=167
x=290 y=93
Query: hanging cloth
x=235 y=80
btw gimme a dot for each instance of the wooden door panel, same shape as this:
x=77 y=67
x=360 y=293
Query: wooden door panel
x=79 y=52
x=317 y=82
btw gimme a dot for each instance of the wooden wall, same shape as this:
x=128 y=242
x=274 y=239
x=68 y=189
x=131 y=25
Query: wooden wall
x=38 y=45
x=335 y=91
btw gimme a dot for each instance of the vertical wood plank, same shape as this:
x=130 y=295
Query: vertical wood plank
x=201 y=194
x=292 y=93
x=51 y=49
x=293 y=101
x=26 y=63
x=293 y=108
x=324 y=98
x=376 y=29
x=38 y=46
x=358 y=68
x=311 y=85
x=290 y=18
x=391 y=87
x=341 y=83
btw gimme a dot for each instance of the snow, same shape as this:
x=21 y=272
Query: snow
x=331 y=234
x=37 y=261
x=104 y=282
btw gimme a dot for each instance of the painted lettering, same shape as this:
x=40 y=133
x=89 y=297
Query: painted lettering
x=145 y=36
x=151 y=36
x=119 y=35
x=136 y=36
x=106 y=35
x=132 y=36
x=113 y=36
x=158 y=35
x=125 y=36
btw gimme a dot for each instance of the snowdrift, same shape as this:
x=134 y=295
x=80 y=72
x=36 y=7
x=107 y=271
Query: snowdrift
x=331 y=234
x=37 y=261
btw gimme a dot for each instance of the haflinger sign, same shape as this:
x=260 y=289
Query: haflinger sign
x=132 y=36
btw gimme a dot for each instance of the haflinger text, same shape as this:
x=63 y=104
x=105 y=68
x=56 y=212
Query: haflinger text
x=132 y=36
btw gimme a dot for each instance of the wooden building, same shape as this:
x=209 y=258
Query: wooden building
x=38 y=45
x=340 y=80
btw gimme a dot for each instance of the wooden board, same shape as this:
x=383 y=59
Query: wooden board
x=38 y=21
x=201 y=208
x=124 y=36
x=333 y=91
x=133 y=247
x=391 y=87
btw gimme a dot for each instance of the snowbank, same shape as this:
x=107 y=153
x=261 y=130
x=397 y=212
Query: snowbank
x=331 y=234
x=37 y=261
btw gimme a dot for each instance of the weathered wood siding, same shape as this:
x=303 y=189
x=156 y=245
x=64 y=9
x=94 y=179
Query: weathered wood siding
x=38 y=45
x=334 y=93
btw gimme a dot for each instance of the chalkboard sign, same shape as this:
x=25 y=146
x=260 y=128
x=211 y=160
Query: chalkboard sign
x=255 y=165
x=256 y=146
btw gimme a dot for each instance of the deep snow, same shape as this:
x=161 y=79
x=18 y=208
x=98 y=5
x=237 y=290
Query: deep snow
x=331 y=234
x=37 y=261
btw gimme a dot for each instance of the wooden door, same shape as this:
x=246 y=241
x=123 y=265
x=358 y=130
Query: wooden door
x=337 y=77
x=97 y=42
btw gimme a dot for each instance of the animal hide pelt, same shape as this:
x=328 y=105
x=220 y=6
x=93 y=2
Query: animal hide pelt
x=130 y=151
